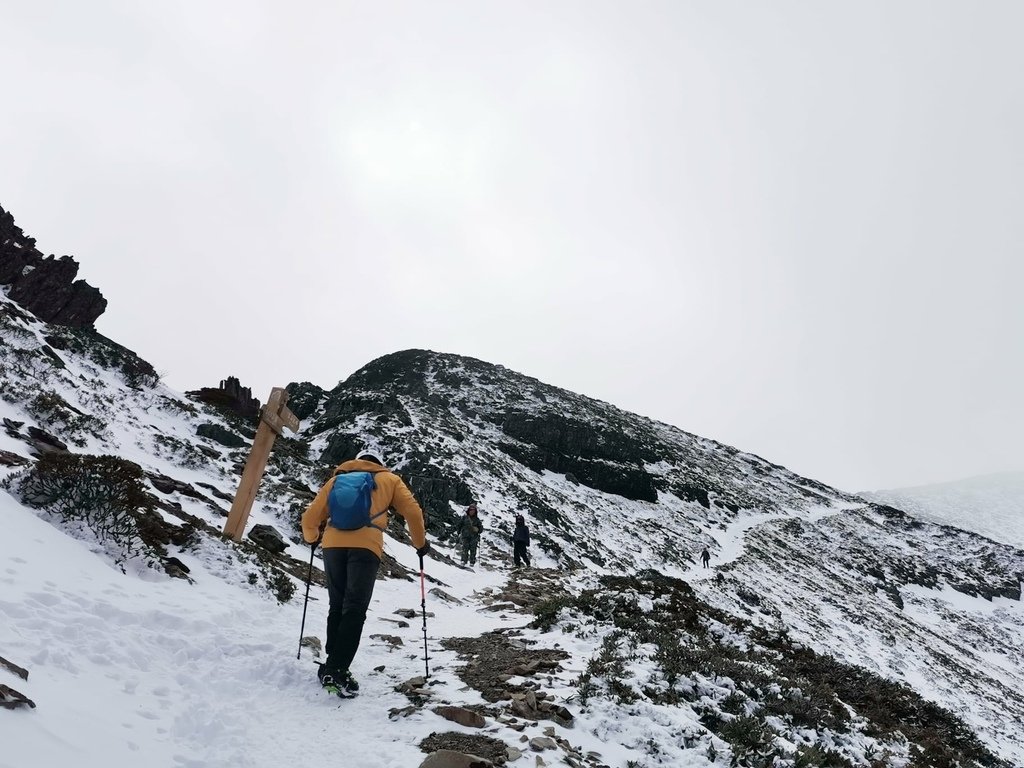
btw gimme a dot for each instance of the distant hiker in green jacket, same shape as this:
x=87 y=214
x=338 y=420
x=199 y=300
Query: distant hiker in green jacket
x=469 y=528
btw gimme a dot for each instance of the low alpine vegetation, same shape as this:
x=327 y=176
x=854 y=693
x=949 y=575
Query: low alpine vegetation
x=765 y=699
x=105 y=495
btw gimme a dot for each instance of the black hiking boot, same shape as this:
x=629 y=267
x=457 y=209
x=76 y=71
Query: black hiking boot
x=349 y=683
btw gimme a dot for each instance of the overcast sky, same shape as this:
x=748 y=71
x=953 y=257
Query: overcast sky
x=795 y=227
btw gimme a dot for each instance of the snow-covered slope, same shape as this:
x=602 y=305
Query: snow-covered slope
x=992 y=505
x=818 y=604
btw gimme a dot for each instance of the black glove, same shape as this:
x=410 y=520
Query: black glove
x=422 y=551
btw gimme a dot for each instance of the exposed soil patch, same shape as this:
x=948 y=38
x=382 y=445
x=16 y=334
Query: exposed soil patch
x=496 y=657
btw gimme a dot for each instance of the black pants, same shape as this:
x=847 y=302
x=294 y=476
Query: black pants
x=351 y=573
x=520 y=553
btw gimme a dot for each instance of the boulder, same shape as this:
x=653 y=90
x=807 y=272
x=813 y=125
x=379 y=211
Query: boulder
x=447 y=758
x=540 y=743
x=462 y=716
x=8 y=459
x=169 y=485
x=43 y=442
x=313 y=643
x=268 y=537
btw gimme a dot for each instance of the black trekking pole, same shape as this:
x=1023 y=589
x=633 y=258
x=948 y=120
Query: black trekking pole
x=423 y=605
x=309 y=578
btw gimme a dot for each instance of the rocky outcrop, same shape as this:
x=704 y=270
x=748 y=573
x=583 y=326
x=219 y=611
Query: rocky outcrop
x=304 y=398
x=230 y=397
x=46 y=286
x=221 y=435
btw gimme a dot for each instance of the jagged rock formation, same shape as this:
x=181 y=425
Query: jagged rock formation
x=230 y=397
x=46 y=286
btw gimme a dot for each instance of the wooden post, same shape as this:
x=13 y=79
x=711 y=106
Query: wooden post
x=274 y=417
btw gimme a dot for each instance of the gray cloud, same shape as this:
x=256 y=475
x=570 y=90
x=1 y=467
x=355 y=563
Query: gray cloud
x=792 y=227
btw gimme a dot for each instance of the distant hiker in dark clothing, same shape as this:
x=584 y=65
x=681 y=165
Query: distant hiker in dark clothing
x=520 y=543
x=352 y=556
x=705 y=556
x=469 y=528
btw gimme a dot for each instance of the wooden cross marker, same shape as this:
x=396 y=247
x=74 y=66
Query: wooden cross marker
x=274 y=417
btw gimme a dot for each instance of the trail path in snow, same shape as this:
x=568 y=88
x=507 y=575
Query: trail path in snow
x=731 y=542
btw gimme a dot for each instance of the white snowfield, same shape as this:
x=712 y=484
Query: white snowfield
x=992 y=505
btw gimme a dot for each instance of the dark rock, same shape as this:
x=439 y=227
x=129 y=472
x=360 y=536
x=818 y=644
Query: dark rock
x=174 y=567
x=216 y=491
x=393 y=640
x=231 y=397
x=268 y=537
x=462 y=716
x=620 y=478
x=57 y=360
x=747 y=596
x=10 y=666
x=221 y=435
x=176 y=563
x=8 y=459
x=540 y=743
x=304 y=398
x=443 y=596
x=44 y=442
x=561 y=715
x=447 y=758
x=56 y=341
x=313 y=643
x=407 y=613
x=12 y=699
x=1010 y=591
x=169 y=485
x=46 y=287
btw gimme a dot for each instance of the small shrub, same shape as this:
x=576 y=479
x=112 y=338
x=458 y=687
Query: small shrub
x=282 y=586
x=816 y=757
x=747 y=735
x=585 y=687
x=546 y=612
x=105 y=493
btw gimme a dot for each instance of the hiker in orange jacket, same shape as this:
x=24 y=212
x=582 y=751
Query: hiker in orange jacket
x=351 y=559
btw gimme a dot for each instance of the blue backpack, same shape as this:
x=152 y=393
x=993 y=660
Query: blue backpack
x=350 y=499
